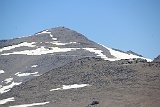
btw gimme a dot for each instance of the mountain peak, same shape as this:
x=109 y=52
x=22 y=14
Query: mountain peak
x=62 y=34
x=61 y=28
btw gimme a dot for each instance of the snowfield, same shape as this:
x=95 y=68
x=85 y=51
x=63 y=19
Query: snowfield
x=120 y=55
x=99 y=53
x=42 y=50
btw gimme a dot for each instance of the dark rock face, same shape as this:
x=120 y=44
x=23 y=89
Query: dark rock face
x=157 y=59
x=131 y=52
x=93 y=104
x=132 y=61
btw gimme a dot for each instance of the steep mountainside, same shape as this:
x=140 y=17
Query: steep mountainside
x=84 y=81
x=36 y=70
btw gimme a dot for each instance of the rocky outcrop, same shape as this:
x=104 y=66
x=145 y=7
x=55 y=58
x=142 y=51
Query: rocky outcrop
x=157 y=59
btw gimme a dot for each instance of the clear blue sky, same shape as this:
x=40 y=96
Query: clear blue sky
x=122 y=24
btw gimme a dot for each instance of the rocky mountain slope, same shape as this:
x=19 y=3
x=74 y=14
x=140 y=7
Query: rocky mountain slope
x=62 y=68
x=157 y=59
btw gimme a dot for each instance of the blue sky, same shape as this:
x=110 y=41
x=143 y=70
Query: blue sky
x=122 y=24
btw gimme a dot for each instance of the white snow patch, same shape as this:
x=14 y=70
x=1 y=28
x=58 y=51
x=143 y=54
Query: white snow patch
x=4 y=101
x=18 y=45
x=25 y=74
x=51 y=35
x=72 y=42
x=37 y=75
x=34 y=66
x=1 y=71
x=29 y=105
x=8 y=80
x=42 y=50
x=54 y=38
x=121 y=55
x=99 y=53
x=66 y=87
x=44 y=32
x=58 y=43
x=47 y=32
x=8 y=87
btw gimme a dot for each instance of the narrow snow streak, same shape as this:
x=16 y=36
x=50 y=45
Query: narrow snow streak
x=59 y=43
x=1 y=71
x=29 y=105
x=25 y=74
x=4 y=101
x=8 y=87
x=8 y=80
x=18 y=45
x=66 y=87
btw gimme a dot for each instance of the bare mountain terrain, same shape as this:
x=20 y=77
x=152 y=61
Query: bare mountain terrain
x=157 y=59
x=59 y=67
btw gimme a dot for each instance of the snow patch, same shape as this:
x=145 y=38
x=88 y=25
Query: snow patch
x=8 y=80
x=25 y=74
x=18 y=45
x=29 y=105
x=34 y=66
x=99 y=53
x=47 y=32
x=59 y=43
x=43 y=32
x=42 y=50
x=66 y=87
x=72 y=42
x=8 y=87
x=121 y=55
x=54 y=38
x=4 y=101
x=1 y=71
